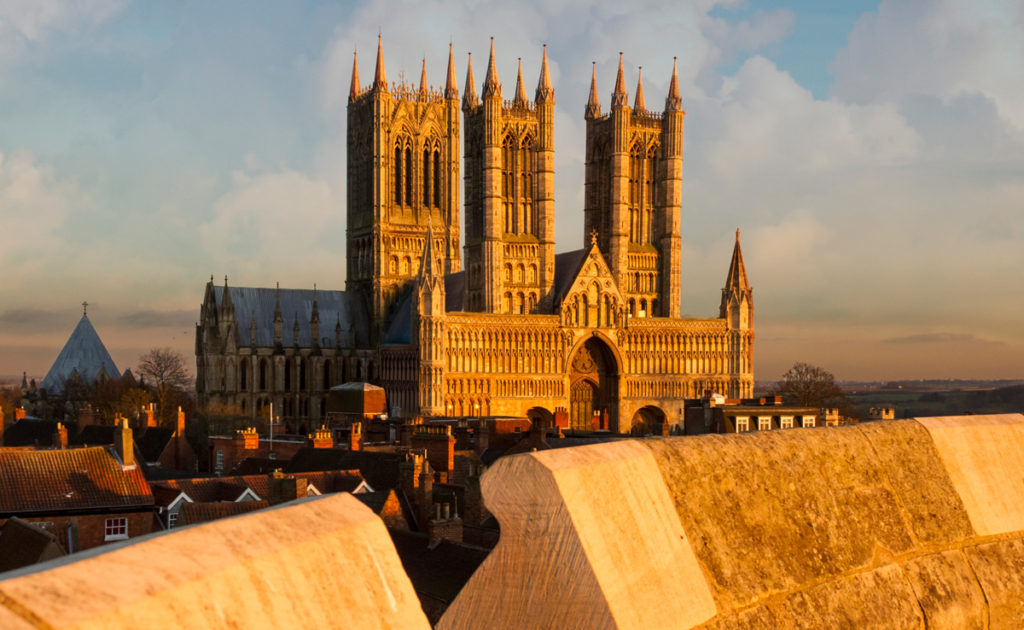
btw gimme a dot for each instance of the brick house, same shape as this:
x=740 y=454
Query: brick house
x=85 y=497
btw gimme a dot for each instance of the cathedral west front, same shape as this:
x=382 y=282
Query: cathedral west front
x=491 y=322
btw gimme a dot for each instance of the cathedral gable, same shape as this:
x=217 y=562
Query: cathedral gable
x=592 y=298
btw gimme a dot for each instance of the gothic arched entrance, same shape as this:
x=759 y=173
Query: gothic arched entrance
x=593 y=387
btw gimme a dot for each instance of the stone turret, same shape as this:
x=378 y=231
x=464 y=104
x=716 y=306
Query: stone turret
x=737 y=308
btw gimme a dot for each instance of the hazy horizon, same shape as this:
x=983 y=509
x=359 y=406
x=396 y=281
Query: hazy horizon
x=871 y=154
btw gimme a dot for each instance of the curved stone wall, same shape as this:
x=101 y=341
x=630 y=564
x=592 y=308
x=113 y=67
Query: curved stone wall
x=908 y=524
x=325 y=562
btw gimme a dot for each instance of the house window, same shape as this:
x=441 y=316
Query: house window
x=742 y=424
x=787 y=422
x=764 y=423
x=172 y=520
x=809 y=422
x=220 y=462
x=115 y=528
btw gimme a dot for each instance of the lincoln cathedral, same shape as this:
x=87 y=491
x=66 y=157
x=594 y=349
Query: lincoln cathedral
x=491 y=322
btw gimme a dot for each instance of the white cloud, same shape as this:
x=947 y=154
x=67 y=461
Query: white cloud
x=27 y=22
x=35 y=205
x=944 y=48
x=282 y=226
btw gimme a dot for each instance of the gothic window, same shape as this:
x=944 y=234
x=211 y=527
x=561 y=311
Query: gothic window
x=533 y=274
x=520 y=302
x=302 y=375
x=525 y=200
x=636 y=218
x=508 y=273
x=245 y=375
x=507 y=303
x=398 y=175
x=508 y=181
x=393 y=265
x=263 y=375
x=426 y=177
x=437 y=178
x=327 y=376
x=533 y=302
x=287 y=375
x=649 y=184
x=408 y=176
x=518 y=278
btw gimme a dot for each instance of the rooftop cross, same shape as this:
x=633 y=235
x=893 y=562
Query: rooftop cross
x=85 y=306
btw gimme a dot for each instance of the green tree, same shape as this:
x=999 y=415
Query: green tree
x=811 y=386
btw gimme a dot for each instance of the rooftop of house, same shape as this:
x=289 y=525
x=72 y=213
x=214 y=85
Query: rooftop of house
x=80 y=479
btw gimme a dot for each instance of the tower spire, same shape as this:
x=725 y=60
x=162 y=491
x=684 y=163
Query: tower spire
x=380 y=79
x=673 y=103
x=520 y=97
x=638 y=103
x=469 y=98
x=427 y=264
x=492 y=88
x=593 y=106
x=423 y=78
x=451 y=89
x=545 y=92
x=619 y=96
x=353 y=90
x=737 y=278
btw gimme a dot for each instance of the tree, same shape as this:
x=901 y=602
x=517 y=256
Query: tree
x=164 y=371
x=811 y=386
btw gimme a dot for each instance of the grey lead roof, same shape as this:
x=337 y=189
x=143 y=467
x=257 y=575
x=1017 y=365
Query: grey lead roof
x=296 y=305
x=83 y=353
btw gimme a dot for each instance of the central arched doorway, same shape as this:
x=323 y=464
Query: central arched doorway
x=593 y=387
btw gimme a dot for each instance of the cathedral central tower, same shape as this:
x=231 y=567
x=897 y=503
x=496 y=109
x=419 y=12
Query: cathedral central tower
x=403 y=176
x=510 y=201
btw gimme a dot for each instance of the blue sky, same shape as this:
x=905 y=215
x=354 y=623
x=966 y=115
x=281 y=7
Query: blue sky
x=871 y=152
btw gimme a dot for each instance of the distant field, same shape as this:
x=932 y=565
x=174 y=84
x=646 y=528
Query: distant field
x=953 y=402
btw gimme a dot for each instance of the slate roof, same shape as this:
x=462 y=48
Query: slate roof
x=440 y=571
x=400 y=329
x=153 y=441
x=23 y=544
x=83 y=353
x=296 y=303
x=192 y=513
x=229 y=489
x=95 y=435
x=567 y=264
x=79 y=479
x=455 y=292
x=32 y=432
x=379 y=469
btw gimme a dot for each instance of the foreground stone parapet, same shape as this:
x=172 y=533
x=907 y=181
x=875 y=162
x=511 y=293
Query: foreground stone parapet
x=325 y=562
x=902 y=524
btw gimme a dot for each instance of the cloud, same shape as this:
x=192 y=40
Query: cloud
x=33 y=319
x=27 y=24
x=284 y=225
x=941 y=48
x=158 y=319
x=943 y=338
x=35 y=203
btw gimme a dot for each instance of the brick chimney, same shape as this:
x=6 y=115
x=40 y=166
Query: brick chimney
x=321 y=438
x=286 y=488
x=124 y=444
x=439 y=443
x=355 y=439
x=247 y=439
x=60 y=436
x=445 y=525
x=150 y=414
x=86 y=416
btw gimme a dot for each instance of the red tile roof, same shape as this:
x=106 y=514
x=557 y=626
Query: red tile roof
x=76 y=479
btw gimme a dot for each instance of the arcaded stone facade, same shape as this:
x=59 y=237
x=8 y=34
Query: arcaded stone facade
x=517 y=330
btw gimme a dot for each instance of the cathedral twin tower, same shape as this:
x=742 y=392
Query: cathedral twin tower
x=403 y=184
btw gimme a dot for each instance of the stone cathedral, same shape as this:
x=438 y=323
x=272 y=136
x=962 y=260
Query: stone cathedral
x=491 y=322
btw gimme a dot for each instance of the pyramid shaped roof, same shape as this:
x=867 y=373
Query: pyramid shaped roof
x=83 y=353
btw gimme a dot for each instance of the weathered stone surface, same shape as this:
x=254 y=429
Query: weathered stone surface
x=855 y=527
x=907 y=457
x=319 y=563
x=984 y=456
x=774 y=511
x=590 y=539
x=946 y=590
x=999 y=567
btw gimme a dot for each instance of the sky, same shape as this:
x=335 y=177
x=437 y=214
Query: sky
x=872 y=154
